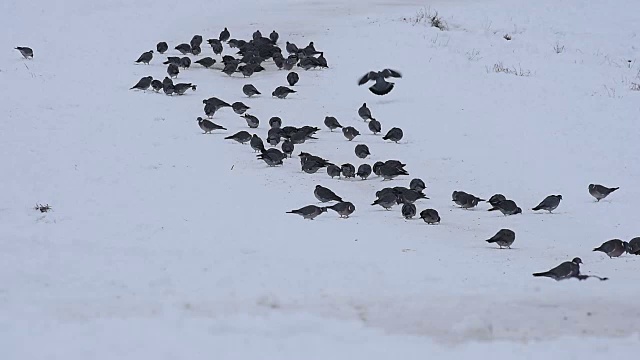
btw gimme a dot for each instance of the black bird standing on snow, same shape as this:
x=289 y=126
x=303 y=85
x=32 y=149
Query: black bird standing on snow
x=381 y=86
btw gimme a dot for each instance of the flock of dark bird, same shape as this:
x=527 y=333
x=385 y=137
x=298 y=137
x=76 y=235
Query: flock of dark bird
x=261 y=49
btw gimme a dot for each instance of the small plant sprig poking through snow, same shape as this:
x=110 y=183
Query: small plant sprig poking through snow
x=507 y=37
x=634 y=86
x=558 y=48
x=500 y=68
x=42 y=208
x=427 y=16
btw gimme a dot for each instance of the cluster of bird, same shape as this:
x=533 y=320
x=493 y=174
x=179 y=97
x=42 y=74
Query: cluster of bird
x=258 y=50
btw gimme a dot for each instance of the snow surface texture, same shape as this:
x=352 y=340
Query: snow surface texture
x=155 y=248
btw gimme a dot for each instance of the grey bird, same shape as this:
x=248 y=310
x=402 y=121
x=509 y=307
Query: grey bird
x=208 y=126
x=362 y=151
x=218 y=103
x=388 y=172
x=173 y=71
x=230 y=68
x=494 y=200
x=143 y=84
x=374 y=126
x=167 y=86
x=376 y=167
x=350 y=132
x=293 y=78
x=311 y=165
x=387 y=201
x=185 y=62
x=600 y=192
x=289 y=63
x=430 y=216
x=324 y=194
x=242 y=137
x=156 y=85
x=275 y=122
x=210 y=109
x=175 y=60
x=162 y=47
x=272 y=157
x=251 y=120
x=274 y=136
x=466 y=201
x=256 y=143
x=309 y=212
x=239 y=107
x=207 y=62
x=333 y=171
x=288 y=147
x=184 y=49
x=364 y=112
x=146 y=57
x=364 y=171
x=549 y=203
x=196 y=41
x=274 y=36
x=344 y=209
x=634 y=246
x=292 y=48
x=224 y=35
x=417 y=185
x=409 y=196
x=26 y=52
x=348 y=170
x=216 y=46
x=507 y=207
x=394 y=134
x=281 y=92
x=381 y=86
x=250 y=90
x=566 y=270
x=247 y=70
x=196 y=50
x=613 y=248
x=408 y=211
x=181 y=88
x=504 y=238
x=331 y=122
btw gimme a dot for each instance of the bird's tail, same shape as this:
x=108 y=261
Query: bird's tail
x=614 y=189
x=546 y=273
x=229 y=137
x=291 y=212
x=493 y=209
x=598 y=249
x=536 y=208
x=491 y=241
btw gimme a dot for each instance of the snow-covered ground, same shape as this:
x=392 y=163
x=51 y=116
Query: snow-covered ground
x=166 y=243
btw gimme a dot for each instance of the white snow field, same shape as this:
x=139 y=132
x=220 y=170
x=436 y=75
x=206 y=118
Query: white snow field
x=164 y=243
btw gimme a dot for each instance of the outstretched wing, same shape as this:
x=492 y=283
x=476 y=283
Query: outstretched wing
x=368 y=76
x=391 y=73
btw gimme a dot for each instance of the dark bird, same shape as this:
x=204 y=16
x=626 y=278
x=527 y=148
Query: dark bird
x=274 y=36
x=549 y=203
x=507 y=207
x=389 y=172
x=634 y=246
x=613 y=248
x=281 y=92
x=466 y=201
x=333 y=170
x=274 y=135
x=224 y=35
x=292 y=48
x=430 y=216
x=600 y=192
x=167 y=86
x=185 y=62
x=566 y=270
x=331 y=122
x=208 y=126
x=408 y=211
x=207 y=62
x=175 y=60
x=251 y=120
x=309 y=212
x=288 y=147
x=162 y=47
x=242 y=137
x=256 y=143
x=143 y=84
x=504 y=238
x=394 y=134
x=184 y=49
x=173 y=71
x=156 y=85
x=26 y=52
x=272 y=157
x=196 y=41
x=216 y=46
x=230 y=68
x=376 y=167
x=374 y=126
x=324 y=194
x=350 y=132
x=387 y=201
x=275 y=122
x=348 y=170
x=417 y=185
x=239 y=107
x=181 y=88
x=146 y=57
x=364 y=112
x=196 y=50
x=362 y=151
x=381 y=86
x=364 y=171
x=344 y=209
x=250 y=90
x=494 y=200
x=292 y=78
